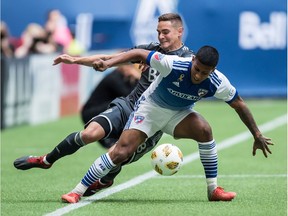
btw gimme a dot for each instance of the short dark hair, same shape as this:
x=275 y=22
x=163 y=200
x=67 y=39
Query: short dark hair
x=208 y=56
x=172 y=17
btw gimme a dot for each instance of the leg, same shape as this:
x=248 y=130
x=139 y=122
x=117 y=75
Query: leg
x=104 y=182
x=194 y=126
x=108 y=179
x=93 y=132
x=107 y=143
x=118 y=154
x=105 y=124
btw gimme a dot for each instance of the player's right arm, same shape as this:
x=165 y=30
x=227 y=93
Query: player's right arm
x=134 y=55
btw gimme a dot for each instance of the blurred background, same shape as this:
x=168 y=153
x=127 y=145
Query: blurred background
x=251 y=37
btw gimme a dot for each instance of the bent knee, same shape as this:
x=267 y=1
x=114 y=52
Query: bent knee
x=92 y=133
x=121 y=154
x=206 y=131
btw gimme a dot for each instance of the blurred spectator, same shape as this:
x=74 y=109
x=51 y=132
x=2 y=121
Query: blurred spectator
x=119 y=82
x=7 y=48
x=35 y=39
x=56 y=26
x=74 y=48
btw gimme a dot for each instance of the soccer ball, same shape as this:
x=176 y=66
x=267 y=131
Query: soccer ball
x=166 y=159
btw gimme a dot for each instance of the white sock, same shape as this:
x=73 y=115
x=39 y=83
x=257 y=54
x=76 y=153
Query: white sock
x=80 y=189
x=211 y=184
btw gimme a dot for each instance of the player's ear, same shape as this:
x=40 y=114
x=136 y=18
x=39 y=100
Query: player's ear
x=193 y=58
x=180 y=30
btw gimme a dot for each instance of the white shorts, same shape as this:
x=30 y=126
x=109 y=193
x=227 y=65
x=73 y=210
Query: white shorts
x=150 y=118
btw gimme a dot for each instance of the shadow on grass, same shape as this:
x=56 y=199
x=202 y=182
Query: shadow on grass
x=148 y=201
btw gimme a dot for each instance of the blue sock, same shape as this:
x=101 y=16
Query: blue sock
x=209 y=159
x=98 y=169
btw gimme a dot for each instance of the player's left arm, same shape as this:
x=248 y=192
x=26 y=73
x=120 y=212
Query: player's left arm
x=260 y=142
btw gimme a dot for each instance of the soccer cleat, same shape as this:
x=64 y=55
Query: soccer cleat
x=219 y=194
x=28 y=162
x=97 y=186
x=71 y=197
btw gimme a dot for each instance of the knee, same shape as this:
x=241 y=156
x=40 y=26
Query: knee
x=121 y=153
x=123 y=150
x=92 y=133
x=126 y=145
x=205 y=132
x=87 y=136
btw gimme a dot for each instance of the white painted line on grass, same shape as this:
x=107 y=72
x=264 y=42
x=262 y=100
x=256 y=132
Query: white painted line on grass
x=282 y=120
x=225 y=176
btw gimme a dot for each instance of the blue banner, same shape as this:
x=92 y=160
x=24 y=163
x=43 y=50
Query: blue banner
x=250 y=35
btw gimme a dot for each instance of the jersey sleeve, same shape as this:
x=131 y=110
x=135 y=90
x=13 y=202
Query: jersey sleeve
x=162 y=63
x=225 y=91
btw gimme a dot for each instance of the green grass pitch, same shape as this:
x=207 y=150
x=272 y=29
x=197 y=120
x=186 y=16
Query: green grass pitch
x=260 y=183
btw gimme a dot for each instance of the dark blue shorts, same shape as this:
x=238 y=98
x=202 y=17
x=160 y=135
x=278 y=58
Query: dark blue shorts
x=113 y=119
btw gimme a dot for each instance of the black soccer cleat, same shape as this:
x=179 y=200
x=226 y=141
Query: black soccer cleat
x=28 y=162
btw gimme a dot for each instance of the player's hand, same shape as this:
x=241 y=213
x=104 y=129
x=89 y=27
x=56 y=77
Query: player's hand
x=99 y=65
x=142 y=67
x=262 y=143
x=64 y=58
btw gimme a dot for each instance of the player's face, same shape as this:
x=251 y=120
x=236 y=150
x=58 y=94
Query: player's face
x=199 y=71
x=169 y=35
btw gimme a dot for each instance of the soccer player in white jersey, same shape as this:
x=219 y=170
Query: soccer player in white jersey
x=167 y=105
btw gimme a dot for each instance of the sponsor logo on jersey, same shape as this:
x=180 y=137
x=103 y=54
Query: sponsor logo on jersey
x=202 y=92
x=138 y=119
x=183 y=95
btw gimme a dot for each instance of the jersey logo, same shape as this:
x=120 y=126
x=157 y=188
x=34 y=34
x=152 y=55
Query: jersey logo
x=232 y=92
x=102 y=167
x=202 y=92
x=138 y=119
x=183 y=95
x=158 y=56
x=180 y=79
x=108 y=111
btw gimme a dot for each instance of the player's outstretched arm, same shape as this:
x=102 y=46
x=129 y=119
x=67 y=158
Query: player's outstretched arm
x=134 y=55
x=260 y=142
x=85 y=60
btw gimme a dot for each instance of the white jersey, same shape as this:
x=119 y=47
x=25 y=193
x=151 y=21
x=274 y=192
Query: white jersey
x=169 y=99
x=173 y=88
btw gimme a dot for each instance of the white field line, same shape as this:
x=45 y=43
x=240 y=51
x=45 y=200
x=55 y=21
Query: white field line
x=271 y=125
x=225 y=176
